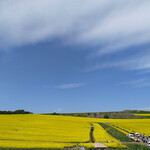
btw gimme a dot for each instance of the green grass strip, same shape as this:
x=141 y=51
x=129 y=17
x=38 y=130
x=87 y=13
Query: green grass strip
x=116 y=133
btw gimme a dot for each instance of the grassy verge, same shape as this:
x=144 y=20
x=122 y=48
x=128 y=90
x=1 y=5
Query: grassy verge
x=145 y=117
x=137 y=147
x=129 y=147
x=92 y=140
x=132 y=147
x=115 y=133
x=29 y=149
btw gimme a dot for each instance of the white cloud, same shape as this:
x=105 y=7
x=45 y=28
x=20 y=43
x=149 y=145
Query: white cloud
x=140 y=61
x=24 y=22
x=116 y=23
x=58 y=110
x=144 y=82
x=111 y=26
x=70 y=85
x=147 y=108
x=147 y=71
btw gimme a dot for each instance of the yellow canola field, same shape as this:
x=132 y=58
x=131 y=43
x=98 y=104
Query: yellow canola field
x=42 y=131
x=142 y=114
x=133 y=125
x=102 y=136
x=47 y=131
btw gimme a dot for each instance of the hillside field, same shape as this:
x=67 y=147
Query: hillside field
x=52 y=131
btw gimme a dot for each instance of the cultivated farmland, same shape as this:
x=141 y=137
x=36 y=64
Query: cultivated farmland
x=52 y=131
x=133 y=125
x=42 y=131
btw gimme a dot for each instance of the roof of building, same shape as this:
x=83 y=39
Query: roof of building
x=99 y=145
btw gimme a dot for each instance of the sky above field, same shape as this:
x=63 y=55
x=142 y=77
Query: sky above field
x=74 y=55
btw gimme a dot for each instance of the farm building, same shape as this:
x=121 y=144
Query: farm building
x=100 y=146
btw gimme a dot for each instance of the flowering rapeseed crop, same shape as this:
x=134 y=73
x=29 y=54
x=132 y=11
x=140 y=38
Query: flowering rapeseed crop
x=133 y=125
x=47 y=131
x=42 y=131
x=102 y=136
x=142 y=114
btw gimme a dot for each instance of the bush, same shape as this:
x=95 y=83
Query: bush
x=106 y=116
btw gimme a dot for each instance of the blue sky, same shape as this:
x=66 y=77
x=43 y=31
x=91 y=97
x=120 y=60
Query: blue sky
x=74 y=56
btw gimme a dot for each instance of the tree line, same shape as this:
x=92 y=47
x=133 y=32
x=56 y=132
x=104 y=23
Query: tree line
x=19 y=111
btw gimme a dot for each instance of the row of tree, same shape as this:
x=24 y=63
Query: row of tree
x=19 y=111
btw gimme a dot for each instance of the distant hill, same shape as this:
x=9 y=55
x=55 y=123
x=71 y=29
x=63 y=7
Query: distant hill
x=137 y=111
x=126 y=114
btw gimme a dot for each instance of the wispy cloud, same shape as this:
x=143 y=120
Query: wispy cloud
x=58 y=110
x=146 y=108
x=107 y=65
x=140 y=61
x=70 y=85
x=147 y=71
x=113 y=24
x=137 y=83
